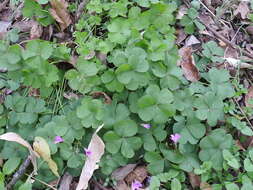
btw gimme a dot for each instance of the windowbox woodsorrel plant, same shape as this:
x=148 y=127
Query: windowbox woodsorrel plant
x=155 y=115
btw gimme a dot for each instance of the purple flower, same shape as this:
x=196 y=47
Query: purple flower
x=87 y=152
x=175 y=137
x=146 y=125
x=136 y=185
x=58 y=139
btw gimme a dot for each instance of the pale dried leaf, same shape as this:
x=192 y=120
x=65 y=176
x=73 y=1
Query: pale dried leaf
x=121 y=173
x=181 y=11
x=4 y=26
x=36 y=31
x=194 y=180
x=66 y=181
x=181 y=36
x=13 y=137
x=191 y=40
x=187 y=64
x=238 y=64
x=242 y=9
x=205 y=186
x=97 y=148
x=60 y=13
x=42 y=148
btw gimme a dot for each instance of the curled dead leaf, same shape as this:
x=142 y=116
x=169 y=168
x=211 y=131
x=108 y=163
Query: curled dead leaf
x=187 y=64
x=97 y=148
x=42 y=148
x=13 y=137
x=60 y=13
x=139 y=173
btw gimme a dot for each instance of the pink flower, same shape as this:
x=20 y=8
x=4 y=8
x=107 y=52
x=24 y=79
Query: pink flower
x=146 y=125
x=136 y=185
x=87 y=152
x=175 y=137
x=58 y=139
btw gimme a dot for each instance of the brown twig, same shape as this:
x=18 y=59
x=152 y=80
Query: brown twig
x=19 y=173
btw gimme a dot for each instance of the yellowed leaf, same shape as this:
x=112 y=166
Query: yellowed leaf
x=13 y=137
x=60 y=13
x=42 y=148
x=97 y=148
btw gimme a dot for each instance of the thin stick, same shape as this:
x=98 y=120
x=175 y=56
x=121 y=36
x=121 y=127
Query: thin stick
x=42 y=182
x=244 y=114
x=19 y=173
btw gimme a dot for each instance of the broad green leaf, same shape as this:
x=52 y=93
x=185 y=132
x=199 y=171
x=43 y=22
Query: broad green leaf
x=175 y=184
x=11 y=165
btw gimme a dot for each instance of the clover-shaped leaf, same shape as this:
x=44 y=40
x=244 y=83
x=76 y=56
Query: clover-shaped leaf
x=156 y=105
x=210 y=108
x=213 y=145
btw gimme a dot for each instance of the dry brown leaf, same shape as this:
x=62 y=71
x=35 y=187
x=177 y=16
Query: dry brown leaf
x=181 y=36
x=239 y=145
x=121 y=185
x=242 y=9
x=42 y=148
x=191 y=40
x=13 y=137
x=249 y=30
x=121 y=173
x=102 y=57
x=194 y=180
x=140 y=173
x=97 y=148
x=181 y=11
x=97 y=94
x=36 y=31
x=60 y=13
x=187 y=64
x=249 y=97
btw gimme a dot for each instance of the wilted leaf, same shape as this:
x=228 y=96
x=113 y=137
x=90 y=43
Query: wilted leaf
x=249 y=98
x=242 y=9
x=121 y=185
x=187 y=63
x=205 y=186
x=42 y=148
x=121 y=173
x=97 y=148
x=60 y=13
x=13 y=137
x=140 y=173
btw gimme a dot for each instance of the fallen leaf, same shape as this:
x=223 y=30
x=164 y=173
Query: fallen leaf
x=97 y=148
x=187 y=64
x=194 y=180
x=42 y=148
x=121 y=173
x=121 y=185
x=239 y=145
x=13 y=137
x=24 y=25
x=237 y=63
x=180 y=36
x=70 y=95
x=249 y=97
x=36 y=31
x=3 y=28
x=140 y=173
x=102 y=57
x=242 y=9
x=191 y=40
x=66 y=181
x=60 y=13
x=249 y=30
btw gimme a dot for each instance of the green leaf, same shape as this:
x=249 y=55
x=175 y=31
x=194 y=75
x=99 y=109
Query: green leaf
x=11 y=165
x=25 y=186
x=231 y=186
x=175 y=184
x=231 y=160
x=86 y=67
x=248 y=165
x=126 y=128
